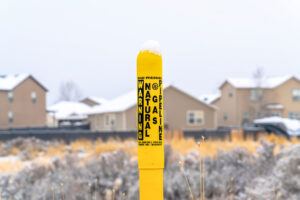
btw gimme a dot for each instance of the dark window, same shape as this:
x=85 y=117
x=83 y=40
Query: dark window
x=10 y=96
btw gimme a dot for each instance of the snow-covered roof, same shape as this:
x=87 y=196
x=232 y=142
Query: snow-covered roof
x=69 y=110
x=9 y=82
x=118 y=104
x=292 y=125
x=209 y=98
x=128 y=100
x=152 y=46
x=98 y=100
x=274 y=106
x=266 y=82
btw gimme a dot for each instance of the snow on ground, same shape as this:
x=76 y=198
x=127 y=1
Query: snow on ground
x=292 y=125
x=8 y=158
x=249 y=177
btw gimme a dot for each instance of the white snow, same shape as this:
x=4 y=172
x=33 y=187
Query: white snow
x=69 y=110
x=128 y=100
x=8 y=158
x=9 y=82
x=208 y=98
x=292 y=125
x=152 y=46
x=118 y=104
x=99 y=100
x=266 y=82
x=274 y=106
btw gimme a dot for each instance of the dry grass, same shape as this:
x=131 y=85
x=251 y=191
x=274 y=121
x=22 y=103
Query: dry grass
x=11 y=166
x=211 y=147
x=88 y=149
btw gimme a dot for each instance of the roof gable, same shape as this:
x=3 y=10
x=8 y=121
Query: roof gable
x=118 y=104
x=191 y=96
x=97 y=100
x=129 y=100
x=266 y=82
x=9 y=82
x=209 y=98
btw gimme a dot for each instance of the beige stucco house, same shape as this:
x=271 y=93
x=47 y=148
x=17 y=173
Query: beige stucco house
x=243 y=100
x=22 y=101
x=181 y=111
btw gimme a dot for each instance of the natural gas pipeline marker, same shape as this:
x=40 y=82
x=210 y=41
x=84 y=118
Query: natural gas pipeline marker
x=150 y=121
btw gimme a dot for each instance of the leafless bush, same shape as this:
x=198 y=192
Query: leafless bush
x=266 y=176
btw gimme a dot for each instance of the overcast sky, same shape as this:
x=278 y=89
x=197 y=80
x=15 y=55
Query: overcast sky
x=95 y=43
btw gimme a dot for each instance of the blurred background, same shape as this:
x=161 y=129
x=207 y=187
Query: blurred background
x=68 y=98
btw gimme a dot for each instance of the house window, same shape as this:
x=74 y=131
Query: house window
x=10 y=96
x=110 y=120
x=256 y=95
x=225 y=116
x=276 y=114
x=33 y=97
x=107 y=120
x=294 y=115
x=10 y=117
x=230 y=93
x=195 y=117
x=296 y=94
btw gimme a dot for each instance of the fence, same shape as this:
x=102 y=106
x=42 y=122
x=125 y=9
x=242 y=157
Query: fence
x=70 y=134
x=66 y=135
x=208 y=134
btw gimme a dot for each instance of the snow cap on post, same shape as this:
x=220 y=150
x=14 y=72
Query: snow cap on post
x=151 y=46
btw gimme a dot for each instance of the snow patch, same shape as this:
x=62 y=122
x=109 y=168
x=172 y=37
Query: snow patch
x=292 y=125
x=8 y=158
x=118 y=104
x=99 y=100
x=69 y=110
x=266 y=82
x=152 y=46
x=9 y=82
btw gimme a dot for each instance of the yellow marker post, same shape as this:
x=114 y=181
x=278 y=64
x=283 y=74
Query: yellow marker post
x=150 y=121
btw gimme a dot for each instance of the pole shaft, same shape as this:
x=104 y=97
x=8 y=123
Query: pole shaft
x=150 y=125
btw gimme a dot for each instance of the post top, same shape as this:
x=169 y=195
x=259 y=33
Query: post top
x=151 y=46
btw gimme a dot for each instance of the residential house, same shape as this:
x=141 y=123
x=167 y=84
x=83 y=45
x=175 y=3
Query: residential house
x=181 y=111
x=67 y=113
x=242 y=100
x=22 y=101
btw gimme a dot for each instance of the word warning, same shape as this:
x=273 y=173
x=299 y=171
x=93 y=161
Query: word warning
x=150 y=111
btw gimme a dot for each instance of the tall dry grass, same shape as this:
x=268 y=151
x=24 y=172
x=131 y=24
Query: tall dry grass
x=88 y=149
x=211 y=147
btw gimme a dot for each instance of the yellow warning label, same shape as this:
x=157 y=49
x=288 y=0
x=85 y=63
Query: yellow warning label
x=150 y=111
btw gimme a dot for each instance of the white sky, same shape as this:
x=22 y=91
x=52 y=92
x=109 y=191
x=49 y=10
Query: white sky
x=95 y=43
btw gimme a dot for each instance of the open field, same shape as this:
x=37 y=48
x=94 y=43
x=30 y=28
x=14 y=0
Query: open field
x=238 y=169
